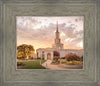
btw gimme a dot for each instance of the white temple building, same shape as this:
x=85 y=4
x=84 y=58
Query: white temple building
x=48 y=53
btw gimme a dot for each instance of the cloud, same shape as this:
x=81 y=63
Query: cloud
x=44 y=35
x=26 y=22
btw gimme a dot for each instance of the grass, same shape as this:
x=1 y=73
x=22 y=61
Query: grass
x=33 y=65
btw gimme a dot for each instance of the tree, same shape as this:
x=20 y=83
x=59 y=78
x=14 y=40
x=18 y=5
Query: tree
x=72 y=57
x=24 y=50
x=81 y=59
x=56 y=53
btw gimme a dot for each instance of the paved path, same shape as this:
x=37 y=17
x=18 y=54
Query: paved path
x=48 y=65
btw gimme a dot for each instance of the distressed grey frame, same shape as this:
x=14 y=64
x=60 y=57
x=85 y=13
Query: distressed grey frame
x=88 y=76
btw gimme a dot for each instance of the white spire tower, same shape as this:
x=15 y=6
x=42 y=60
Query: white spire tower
x=57 y=39
x=57 y=44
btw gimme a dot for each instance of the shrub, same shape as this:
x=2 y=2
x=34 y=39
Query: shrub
x=63 y=60
x=74 y=63
x=62 y=57
x=59 y=60
x=20 y=63
x=81 y=59
x=56 y=58
x=38 y=57
x=55 y=62
x=30 y=57
x=42 y=58
x=22 y=58
x=72 y=57
x=56 y=53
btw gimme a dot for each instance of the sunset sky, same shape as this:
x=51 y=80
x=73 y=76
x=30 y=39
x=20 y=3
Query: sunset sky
x=40 y=31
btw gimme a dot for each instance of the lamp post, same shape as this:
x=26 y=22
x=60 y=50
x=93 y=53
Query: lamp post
x=40 y=61
x=60 y=60
x=46 y=65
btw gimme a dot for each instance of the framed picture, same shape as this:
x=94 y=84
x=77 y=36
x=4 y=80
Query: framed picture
x=34 y=39
x=50 y=43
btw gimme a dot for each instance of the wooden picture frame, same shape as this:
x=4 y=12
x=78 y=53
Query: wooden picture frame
x=88 y=76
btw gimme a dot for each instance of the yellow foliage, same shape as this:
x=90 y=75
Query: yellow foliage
x=74 y=62
x=70 y=62
x=62 y=60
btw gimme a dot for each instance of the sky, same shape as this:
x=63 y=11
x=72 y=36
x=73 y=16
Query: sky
x=40 y=31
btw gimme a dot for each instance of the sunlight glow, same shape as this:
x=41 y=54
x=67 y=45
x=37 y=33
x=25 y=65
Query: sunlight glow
x=81 y=44
x=69 y=39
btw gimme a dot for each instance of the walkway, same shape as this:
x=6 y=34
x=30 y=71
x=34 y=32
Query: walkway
x=48 y=65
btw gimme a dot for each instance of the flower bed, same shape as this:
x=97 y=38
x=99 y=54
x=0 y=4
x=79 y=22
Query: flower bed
x=74 y=63
x=20 y=63
x=55 y=62
x=62 y=60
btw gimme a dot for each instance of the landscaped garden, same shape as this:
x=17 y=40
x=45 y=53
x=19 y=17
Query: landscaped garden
x=64 y=61
x=30 y=64
x=69 y=59
x=26 y=59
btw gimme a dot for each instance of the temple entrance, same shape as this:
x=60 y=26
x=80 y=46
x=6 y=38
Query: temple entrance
x=49 y=56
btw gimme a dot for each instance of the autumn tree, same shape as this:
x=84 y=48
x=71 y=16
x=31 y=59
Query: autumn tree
x=81 y=59
x=24 y=50
x=72 y=57
x=56 y=53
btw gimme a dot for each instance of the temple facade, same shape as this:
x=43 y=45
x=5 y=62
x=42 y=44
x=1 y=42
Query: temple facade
x=49 y=53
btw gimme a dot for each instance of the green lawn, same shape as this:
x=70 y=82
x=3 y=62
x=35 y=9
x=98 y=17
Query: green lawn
x=33 y=65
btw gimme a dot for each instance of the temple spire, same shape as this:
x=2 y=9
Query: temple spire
x=57 y=44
